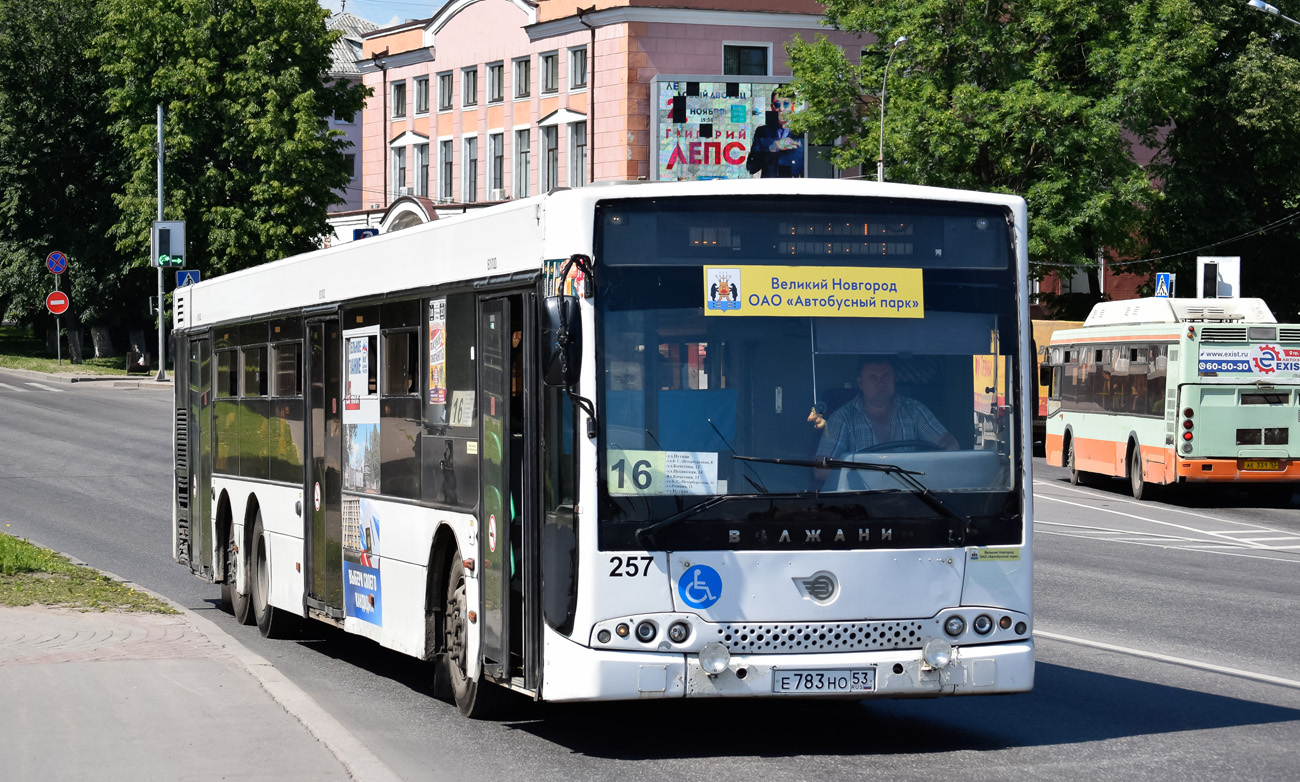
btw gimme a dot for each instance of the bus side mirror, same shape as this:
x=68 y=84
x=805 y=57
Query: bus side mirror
x=561 y=341
x=1045 y=375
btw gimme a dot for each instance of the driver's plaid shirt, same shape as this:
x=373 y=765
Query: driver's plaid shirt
x=848 y=430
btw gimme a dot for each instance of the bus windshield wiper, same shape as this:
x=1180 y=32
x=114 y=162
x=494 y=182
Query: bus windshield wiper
x=956 y=532
x=646 y=535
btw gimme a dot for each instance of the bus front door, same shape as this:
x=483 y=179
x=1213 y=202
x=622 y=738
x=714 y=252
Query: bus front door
x=508 y=546
x=198 y=381
x=323 y=514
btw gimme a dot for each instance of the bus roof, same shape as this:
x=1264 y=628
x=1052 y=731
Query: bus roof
x=1134 y=312
x=509 y=238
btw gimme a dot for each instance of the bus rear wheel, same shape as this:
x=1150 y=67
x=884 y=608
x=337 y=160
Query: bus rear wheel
x=1077 y=477
x=1141 y=489
x=271 y=621
x=475 y=698
x=232 y=600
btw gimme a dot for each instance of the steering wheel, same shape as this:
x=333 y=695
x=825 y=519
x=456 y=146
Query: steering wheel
x=901 y=445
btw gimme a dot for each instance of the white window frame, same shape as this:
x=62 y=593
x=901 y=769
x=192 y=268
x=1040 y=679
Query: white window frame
x=550 y=167
x=496 y=152
x=399 y=171
x=469 y=97
x=522 y=161
x=421 y=84
x=551 y=59
x=515 y=82
x=748 y=45
x=394 y=104
x=578 y=163
x=421 y=169
x=469 y=169
x=496 y=87
x=446 y=85
x=578 y=54
x=447 y=167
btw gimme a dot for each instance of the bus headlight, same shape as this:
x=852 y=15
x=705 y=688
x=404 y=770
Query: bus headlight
x=714 y=658
x=982 y=624
x=646 y=632
x=678 y=632
x=937 y=653
x=954 y=626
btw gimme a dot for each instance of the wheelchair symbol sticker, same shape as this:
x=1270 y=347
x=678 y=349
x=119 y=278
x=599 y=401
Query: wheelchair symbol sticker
x=700 y=586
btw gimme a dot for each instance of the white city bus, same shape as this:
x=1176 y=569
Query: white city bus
x=563 y=446
x=1168 y=391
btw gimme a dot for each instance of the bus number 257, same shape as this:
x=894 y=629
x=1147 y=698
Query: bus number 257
x=630 y=566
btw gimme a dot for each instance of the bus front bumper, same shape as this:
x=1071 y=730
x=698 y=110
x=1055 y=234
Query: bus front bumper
x=1253 y=469
x=597 y=674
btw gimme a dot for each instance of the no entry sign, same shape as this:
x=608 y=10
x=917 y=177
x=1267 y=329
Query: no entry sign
x=57 y=303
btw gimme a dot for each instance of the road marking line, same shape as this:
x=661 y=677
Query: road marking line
x=1183 y=527
x=1086 y=531
x=13 y=388
x=1236 y=552
x=1265 y=540
x=46 y=388
x=1263 y=677
x=1126 y=501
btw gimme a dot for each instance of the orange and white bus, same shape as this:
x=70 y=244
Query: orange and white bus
x=1164 y=391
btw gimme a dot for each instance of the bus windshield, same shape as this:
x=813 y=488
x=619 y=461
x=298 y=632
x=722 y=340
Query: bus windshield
x=741 y=345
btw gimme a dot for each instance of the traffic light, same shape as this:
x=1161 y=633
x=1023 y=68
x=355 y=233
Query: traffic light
x=168 y=244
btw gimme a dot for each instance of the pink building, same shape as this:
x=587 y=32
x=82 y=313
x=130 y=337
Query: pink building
x=496 y=99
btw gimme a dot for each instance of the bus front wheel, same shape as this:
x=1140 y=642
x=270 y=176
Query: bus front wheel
x=475 y=698
x=1136 y=480
x=1077 y=476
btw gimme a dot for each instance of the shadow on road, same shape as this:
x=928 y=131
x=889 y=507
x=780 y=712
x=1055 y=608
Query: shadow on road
x=1194 y=496
x=1067 y=706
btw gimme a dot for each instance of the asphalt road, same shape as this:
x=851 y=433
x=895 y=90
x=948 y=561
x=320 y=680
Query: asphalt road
x=1166 y=647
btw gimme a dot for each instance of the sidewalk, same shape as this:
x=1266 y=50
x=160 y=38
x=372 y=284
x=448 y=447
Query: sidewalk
x=134 y=696
x=116 y=381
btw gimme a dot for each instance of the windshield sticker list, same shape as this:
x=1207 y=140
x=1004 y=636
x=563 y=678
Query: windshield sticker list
x=817 y=291
x=662 y=472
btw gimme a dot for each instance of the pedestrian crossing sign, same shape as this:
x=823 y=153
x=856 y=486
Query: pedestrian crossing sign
x=186 y=277
x=1164 y=285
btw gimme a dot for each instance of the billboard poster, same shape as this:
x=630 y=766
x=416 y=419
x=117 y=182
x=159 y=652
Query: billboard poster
x=724 y=130
x=362 y=584
x=438 y=351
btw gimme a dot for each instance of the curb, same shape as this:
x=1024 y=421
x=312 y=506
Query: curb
x=117 y=381
x=360 y=763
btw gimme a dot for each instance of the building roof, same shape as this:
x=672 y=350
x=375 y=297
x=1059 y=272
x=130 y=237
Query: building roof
x=347 y=50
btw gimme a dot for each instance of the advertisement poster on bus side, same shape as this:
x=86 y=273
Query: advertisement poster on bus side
x=361 y=414
x=1262 y=360
x=362 y=584
x=438 y=351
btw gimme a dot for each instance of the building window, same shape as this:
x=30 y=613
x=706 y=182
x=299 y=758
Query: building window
x=399 y=172
x=447 y=151
x=497 y=173
x=469 y=86
x=577 y=154
x=471 y=169
x=741 y=60
x=550 y=72
x=422 y=95
x=444 y=92
x=399 y=99
x=578 y=68
x=496 y=82
x=550 y=158
x=350 y=163
x=422 y=169
x=523 y=160
x=346 y=119
x=523 y=78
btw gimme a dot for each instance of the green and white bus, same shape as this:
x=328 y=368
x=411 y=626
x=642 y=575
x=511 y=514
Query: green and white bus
x=1164 y=391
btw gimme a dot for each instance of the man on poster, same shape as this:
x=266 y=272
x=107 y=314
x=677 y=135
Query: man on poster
x=774 y=151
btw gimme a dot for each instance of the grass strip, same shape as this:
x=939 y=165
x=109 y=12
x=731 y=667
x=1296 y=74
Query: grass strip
x=20 y=349
x=32 y=575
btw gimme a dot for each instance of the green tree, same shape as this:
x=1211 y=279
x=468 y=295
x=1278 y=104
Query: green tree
x=1041 y=98
x=59 y=167
x=1230 y=163
x=251 y=164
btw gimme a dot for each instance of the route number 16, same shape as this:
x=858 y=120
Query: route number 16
x=640 y=474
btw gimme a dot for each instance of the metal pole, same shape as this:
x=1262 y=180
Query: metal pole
x=162 y=351
x=880 y=161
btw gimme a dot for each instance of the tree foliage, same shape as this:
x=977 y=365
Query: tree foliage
x=58 y=164
x=251 y=164
x=1042 y=98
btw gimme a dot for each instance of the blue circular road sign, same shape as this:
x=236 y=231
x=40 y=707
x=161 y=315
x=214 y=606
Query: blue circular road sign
x=56 y=262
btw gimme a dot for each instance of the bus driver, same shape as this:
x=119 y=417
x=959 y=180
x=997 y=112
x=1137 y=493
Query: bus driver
x=878 y=416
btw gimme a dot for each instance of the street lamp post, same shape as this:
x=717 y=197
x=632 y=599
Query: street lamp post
x=880 y=161
x=1263 y=7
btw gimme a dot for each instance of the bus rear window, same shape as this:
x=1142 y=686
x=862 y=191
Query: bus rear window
x=1283 y=398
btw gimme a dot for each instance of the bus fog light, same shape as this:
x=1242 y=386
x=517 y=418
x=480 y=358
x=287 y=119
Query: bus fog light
x=714 y=658
x=678 y=632
x=646 y=632
x=983 y=624
x=603 y=636
x=954 y=626
x=937 y=653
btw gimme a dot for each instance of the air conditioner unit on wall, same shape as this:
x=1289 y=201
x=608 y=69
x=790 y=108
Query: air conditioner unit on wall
x=497 y=194
x=405 y=191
